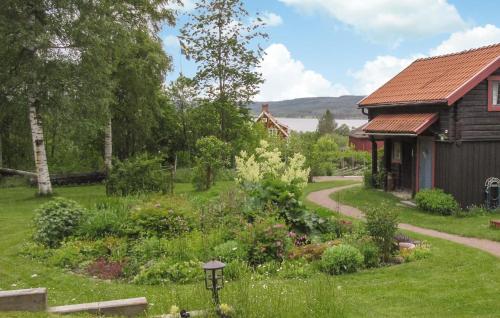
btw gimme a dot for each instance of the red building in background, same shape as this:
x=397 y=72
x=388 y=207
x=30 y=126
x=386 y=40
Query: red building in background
x=360 y=141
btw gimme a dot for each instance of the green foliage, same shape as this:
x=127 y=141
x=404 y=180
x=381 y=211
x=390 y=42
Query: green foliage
x=295 y=269
x=266 y=241
x=14 y=181
x=371 y=255
x=102 y=222
x=138 y=175
x=341 y=259
x=368 y=179
x=211 y=157
x=382 y=224
x=165 y=271
x=436 y=201
x=326 y=124
x=236 y=269
x=56 y=220
x=158 y=222
x=229 y=251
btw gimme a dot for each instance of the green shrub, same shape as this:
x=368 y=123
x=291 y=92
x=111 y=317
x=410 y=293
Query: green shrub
x=228 y=251
x=148 y=248
x=236 y=269
x=436 y=201
x=341 y=259
x=138 y=175
x=67 y=256
x=266 y=241
x=371 y=255
x=101 y=223
x=295 y=269
x=165 y=270
x=56 y=220
x=158 y=222
x=183 y=175
x=382 y=224
x=211 y=157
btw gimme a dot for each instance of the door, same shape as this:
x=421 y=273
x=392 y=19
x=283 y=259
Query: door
x=425 y=162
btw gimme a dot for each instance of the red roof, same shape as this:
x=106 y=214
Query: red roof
x=404 y=124
x=440 y=79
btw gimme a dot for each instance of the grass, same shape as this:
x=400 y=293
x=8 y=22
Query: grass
x=455 y=281
x=471 y=226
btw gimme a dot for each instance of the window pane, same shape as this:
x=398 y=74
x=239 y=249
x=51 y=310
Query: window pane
x=496 y=92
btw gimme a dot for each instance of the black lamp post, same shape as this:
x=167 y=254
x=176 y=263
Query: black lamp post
x=214 y=278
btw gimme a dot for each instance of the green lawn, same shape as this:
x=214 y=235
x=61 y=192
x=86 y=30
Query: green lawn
x=473 y=226
x=454 y=282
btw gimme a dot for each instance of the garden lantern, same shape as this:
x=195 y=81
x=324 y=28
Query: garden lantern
x=214 y=278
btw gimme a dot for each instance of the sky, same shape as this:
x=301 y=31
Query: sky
x=338 y=47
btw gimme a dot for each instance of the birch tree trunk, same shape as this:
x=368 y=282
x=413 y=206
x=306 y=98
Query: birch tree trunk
x=108 y=146
x=42 y=169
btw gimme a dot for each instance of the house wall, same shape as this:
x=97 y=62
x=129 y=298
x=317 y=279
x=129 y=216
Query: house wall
x=473 y=120
x=462 y=168
x=363 y=144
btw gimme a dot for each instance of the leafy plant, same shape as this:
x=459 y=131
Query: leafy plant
x=56 y=220
x=266 y=241
x=165 y=270
x=436 y=201
x=295 y=269
x=371 y=255
x=382 y=224
x=105 y=269
x=230 y=250
x=158 y=222
x=341 y=259
x=141 y=174
x=211 y=158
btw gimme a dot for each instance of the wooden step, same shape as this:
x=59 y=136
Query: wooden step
x=33 y=299
x=123 y=307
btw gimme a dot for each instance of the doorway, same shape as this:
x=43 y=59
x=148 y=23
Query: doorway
x=425 y=162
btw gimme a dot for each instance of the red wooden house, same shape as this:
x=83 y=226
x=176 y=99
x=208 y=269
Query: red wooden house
x=360 y=141
x=273 y=126
x=439 y=120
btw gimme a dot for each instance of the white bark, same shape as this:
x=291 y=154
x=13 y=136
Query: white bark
x=108 y=145
x=42 y=168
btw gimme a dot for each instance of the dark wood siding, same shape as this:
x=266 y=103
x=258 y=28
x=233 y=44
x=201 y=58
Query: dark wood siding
x=474 y=121
x=462 y=168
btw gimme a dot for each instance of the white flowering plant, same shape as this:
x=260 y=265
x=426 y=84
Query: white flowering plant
x=267 y=163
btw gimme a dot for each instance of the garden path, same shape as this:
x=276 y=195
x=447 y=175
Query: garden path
x=323 y=198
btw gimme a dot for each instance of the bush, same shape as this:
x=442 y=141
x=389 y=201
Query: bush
x=368 y=179
x=295 y=269
x=183 y=175
x=57 y=220
x=436 y=201
x=105 y=269
x=236 y=269
x=266 y=241
x=211 y=157
x=382 y=224
x=341 y=259
x=371 y=255
x=165 y=271
x=138 y=175
x=228 y=251
x=158 y=222
x=99 y=223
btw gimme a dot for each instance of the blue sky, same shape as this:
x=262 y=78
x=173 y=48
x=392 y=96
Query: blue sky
x=338 y=47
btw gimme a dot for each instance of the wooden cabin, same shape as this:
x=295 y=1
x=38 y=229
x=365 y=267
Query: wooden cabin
x=273 y=126
x=439 y=120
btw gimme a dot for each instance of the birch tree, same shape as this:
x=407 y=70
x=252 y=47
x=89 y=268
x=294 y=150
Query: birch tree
x=54 y=50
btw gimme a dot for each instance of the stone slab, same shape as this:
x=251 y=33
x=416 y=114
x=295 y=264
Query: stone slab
x=33 y=299
x=123 y=307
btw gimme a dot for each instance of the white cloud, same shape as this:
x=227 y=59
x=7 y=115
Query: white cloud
x=271 y=19
x=468 y=39
x=378 y=71
x=171 y=41
x=287 y=78
x=389 y=20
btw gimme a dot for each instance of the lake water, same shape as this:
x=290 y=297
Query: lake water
x=311 y=124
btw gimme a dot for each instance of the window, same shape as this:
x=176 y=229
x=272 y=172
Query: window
x=494 y=93
x=396 y=152
x=273 y=131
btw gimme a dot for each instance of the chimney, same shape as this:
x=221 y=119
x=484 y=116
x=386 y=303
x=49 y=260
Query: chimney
x=265 y=108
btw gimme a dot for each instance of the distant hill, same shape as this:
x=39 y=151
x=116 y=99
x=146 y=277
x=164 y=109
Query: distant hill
x=343 y=107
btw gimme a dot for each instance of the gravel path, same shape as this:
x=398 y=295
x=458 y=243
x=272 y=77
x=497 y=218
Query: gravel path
x=323 y=198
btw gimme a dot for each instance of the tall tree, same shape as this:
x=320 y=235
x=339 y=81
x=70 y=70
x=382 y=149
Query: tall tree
x=55 y=55
x=221 y=38
x=326 y=124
